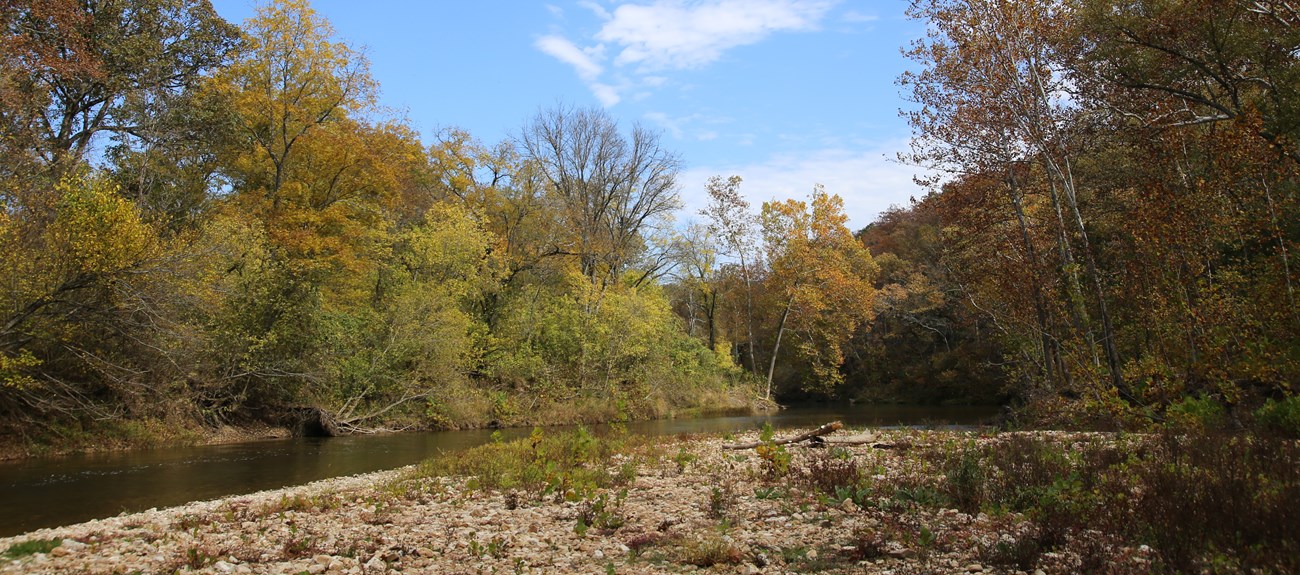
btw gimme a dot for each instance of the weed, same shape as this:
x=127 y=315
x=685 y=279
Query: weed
x=965 y=485
x=922 y=495
x=827 y=473
x=771 y=492
x=722 y=499
x=601 y=513
x=711 y=551
x=776 y=460
x=1021 y=552
x=683 y=459
x=641 y=541
x=495 y=548
x=32 y=546
x=569 y=465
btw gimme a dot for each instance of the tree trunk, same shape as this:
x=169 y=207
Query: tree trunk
x=776 y=348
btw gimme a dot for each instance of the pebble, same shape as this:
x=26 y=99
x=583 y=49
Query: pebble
x=430 y=534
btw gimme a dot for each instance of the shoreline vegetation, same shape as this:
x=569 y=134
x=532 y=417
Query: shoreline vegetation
x=142 y=434
x=909 y=501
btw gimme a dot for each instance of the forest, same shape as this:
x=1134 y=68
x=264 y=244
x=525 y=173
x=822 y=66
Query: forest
x=207 y=224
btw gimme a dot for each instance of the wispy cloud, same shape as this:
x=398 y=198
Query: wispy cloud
x=690 y=126
x=674 y=34
x=868 y=180
x=649 y=38
x=565 y=51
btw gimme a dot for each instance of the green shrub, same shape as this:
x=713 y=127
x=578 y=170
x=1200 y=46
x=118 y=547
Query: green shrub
x=32 y=547
x=1196 y=413
x=1280 y=416
x=570 y=465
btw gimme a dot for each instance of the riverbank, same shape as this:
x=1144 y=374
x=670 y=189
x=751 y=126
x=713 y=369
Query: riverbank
x=905 y=502
x=466 y=411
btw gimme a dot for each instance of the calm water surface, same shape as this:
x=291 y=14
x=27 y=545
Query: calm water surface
x=47 y=492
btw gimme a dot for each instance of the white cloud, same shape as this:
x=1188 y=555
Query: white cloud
x=868 y=180
x=565 y=51
x=675 y=34
x=596 y=9
x=607 y=94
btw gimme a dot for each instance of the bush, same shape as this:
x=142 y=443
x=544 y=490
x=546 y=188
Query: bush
x=1282 y=417
x=1196 y=414
x=570 y=465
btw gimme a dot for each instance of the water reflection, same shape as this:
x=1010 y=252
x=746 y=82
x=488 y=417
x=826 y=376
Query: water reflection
x=46 y=492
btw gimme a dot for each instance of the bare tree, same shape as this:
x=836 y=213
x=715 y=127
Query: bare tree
x=612 y=192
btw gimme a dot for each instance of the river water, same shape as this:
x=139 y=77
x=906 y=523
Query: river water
x=47 y=492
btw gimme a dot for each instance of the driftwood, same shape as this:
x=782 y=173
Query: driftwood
x=852 y=440
x=816 y=433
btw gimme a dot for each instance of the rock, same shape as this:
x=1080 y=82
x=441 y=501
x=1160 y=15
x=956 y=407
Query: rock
x=322 y=559
x=223 y=567
x=425 y=552
x=598 y=554
x=749 y=569
x=315 y=569
x=60 y=551
x=974 y=568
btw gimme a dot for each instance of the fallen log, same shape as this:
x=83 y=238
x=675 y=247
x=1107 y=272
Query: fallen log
x=852 y=440
x=820 y=431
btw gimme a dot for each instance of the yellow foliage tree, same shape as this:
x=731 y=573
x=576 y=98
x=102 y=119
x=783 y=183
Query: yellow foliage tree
x=822 y=276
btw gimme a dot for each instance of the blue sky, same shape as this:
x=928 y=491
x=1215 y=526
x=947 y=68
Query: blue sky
x=784 y=93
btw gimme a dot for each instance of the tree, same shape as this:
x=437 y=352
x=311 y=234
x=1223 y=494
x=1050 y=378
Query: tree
x=291 y=79
x=996 y=93
x=1193 y=62
x=609 y=190
x=822 y=276
x=732 y=223
x=76 y=69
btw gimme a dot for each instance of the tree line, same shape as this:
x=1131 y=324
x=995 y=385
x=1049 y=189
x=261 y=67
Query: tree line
x=206 y=224
x=1114 y=219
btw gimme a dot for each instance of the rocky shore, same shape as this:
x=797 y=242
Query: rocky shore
x=688 y=505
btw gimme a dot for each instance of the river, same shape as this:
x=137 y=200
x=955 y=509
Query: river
x=48 y=492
